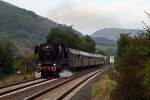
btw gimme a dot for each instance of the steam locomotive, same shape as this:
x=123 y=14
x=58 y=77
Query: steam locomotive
x=54 y=57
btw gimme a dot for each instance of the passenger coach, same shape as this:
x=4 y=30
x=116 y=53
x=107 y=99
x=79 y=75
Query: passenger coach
x=80 y=60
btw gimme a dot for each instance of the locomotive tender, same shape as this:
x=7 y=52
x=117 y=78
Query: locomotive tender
x=54 y=57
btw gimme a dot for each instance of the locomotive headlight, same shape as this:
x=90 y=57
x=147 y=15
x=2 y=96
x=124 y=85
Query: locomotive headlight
x=47 y=46
x=54 y=64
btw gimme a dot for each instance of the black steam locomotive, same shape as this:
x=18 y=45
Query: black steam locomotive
x=54 y=57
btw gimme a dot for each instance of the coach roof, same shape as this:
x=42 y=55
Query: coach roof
x=84 y=53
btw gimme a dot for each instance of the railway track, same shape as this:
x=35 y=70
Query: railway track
x=63 y=89
x=20 y=91
x=39 y=87
x=13 y=87
x=1 y=87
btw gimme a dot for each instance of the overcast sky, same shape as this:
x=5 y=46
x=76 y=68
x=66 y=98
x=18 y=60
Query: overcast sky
x=88 y=16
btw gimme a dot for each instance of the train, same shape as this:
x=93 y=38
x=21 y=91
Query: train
x=54 y=57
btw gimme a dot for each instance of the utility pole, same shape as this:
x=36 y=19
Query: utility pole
x=25 y=63
x=25 y=67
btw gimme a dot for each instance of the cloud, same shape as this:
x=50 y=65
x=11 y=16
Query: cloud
x=89 y=16
x=85 y=18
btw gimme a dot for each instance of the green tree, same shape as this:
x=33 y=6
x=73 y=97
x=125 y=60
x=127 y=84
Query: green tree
x=101 y=52
x=65 y=34
x=70 y=38
x=87 y=44
x=132 y=61
x=6 y=58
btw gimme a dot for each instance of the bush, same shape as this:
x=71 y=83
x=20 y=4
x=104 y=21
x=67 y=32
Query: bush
x=132 y=66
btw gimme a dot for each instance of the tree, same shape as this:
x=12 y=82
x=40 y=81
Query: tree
x=101 y=52
x=132 y=61
x=66 y=35
x=87 y=44
x=70 y=38
x=6 y=58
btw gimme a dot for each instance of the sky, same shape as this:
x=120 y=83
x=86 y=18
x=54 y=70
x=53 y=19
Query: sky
x=88 y=16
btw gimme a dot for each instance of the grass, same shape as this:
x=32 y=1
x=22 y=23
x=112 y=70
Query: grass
x=16 y=78
x=103 y=88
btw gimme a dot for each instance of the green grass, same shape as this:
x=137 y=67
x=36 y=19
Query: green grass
x=103 y=88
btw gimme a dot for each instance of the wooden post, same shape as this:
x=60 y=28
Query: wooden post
x=25 y=67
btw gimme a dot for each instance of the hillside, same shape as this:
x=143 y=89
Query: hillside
x=104 y=41
x=24 y=28
x=112 y=33
x=105 y=44
x=106 y=38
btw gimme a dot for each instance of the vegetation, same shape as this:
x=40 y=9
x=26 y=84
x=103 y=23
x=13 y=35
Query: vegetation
x=133 y=66
x=6 y=58
x=10 y=62
x=21 y=24
x=15 y=78
x=69 y=37
x=101 y=52
x=103 y=88
x=111 y=51
x=105 y=41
